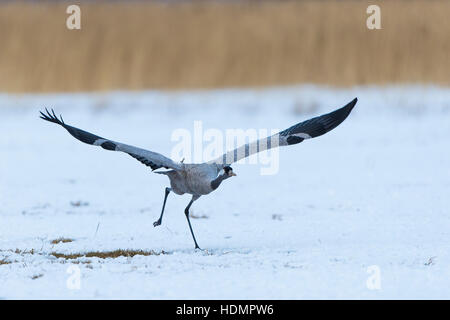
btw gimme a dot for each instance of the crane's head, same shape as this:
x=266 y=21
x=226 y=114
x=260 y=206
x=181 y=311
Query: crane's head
x=229 y=171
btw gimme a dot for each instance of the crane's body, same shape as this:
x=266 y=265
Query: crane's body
x=193 y=178
x=203 y=178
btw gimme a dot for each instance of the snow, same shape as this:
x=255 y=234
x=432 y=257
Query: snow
x=360 y=213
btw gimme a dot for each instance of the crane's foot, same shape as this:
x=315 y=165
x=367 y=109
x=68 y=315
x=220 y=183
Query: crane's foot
x=157 y=223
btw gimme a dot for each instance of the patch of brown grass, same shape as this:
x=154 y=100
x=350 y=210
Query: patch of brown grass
x=141 y=45
x=107 y=254
x=79 y=203
x=203 y=216
x=19 y=251
x=61 y=240
x=4 y=261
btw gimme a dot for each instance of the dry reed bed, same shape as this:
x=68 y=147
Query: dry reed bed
x=202 y=45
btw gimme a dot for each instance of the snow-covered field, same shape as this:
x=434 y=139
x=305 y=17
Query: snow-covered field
x=362 y=212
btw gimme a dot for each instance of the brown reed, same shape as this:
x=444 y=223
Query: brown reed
x=141 y=45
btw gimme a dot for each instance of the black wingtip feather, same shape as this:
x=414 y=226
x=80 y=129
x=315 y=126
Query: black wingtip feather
x=318 y=126
x=79 y=134
x=328 y=122
x=351 y=104
x=51 y=117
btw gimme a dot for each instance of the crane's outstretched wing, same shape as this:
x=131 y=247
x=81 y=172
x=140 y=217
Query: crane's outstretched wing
x=151 y=159
x=297 y=133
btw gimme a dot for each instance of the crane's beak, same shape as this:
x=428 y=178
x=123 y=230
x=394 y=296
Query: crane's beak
x=232 y=174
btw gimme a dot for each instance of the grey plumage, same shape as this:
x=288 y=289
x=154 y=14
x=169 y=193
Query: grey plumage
x=202 y=179
x=308 y=129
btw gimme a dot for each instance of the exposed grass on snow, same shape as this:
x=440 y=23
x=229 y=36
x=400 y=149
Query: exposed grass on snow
x=90 y=254
x=22 y=252
x=61 y=240
x=107 y=254
x=79 y=203
x=193 y=216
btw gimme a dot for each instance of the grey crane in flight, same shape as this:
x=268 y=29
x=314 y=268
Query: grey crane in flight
x=203 y=178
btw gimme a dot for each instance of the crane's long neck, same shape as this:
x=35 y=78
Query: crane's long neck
x=217 y=181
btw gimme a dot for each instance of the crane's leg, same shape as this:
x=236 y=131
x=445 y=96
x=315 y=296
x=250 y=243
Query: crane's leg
x=158 y=222
x=186 y=212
